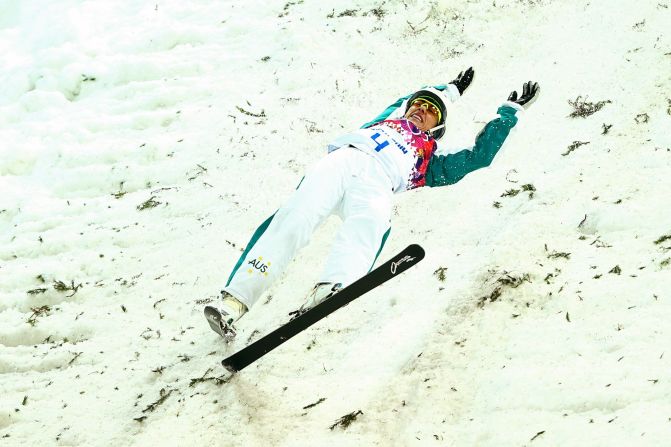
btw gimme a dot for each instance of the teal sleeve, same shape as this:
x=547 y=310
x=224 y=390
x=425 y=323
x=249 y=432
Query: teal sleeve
x=389 y=110
x=449 y=169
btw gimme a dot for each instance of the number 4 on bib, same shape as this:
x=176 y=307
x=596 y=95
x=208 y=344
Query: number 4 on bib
x=393 y=267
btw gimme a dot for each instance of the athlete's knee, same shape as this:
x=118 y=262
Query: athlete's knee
x=295 y=220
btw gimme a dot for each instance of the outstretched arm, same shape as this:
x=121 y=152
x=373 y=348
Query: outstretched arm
x=387 y=112
x=449 y=169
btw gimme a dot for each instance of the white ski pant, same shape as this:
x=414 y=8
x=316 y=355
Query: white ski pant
x=347 y=182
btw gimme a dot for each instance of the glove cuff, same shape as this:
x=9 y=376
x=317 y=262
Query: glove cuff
x=452 y=92
x=514 y=105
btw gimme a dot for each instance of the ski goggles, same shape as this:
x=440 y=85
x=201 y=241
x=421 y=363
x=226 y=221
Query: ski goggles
x=428 y=105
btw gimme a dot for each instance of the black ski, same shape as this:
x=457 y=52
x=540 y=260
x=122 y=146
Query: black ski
x=396 y=265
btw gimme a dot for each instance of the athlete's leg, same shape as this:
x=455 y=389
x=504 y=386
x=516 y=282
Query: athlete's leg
x=277 y=240
x=366 y=211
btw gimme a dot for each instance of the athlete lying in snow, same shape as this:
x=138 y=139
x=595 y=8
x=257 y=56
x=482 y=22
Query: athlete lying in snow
x=393 y=153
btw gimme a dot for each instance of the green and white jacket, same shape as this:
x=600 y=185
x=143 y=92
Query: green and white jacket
x=410 y=156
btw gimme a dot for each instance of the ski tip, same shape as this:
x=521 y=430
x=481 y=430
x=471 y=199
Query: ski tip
x=417 y=250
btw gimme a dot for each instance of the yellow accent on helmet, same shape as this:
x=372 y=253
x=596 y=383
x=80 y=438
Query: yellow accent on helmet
x=432 y=102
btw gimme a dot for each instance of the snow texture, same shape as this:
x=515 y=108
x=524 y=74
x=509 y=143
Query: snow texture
x=141 y=143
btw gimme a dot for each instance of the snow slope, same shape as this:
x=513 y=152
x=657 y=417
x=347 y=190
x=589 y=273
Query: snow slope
x=141 y=145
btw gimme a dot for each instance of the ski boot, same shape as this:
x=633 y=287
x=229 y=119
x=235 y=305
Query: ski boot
x=222 y=317
x=320 y=292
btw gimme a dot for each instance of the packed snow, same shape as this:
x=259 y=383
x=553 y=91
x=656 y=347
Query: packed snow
x=142 y=143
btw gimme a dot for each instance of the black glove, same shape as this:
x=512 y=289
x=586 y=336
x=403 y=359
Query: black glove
x=529 y=94
x=463 y=80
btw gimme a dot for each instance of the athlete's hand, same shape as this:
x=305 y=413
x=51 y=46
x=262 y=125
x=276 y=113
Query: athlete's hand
x=530 y=92
x=463 y=80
